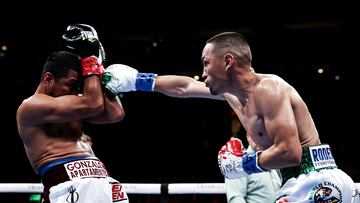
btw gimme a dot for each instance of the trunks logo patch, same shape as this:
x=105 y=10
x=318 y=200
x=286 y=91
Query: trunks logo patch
x=326 y=192
x=321 y=156
x=87 y=168
x=118 y=194
x=73 y=195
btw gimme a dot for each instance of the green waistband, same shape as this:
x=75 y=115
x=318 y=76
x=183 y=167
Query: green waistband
x=306 y=166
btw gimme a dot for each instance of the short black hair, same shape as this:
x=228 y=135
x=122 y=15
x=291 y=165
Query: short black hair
x=60 y=62
x=232 y=42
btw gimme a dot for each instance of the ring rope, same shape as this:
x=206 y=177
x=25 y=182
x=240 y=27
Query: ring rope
x=131 y=188
x=134 y=188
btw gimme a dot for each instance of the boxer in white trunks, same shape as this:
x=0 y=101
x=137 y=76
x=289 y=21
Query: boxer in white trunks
x=272 y=112
x=49 y=124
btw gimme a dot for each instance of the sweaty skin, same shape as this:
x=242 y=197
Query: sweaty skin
x=272 y=112
x=49 y=122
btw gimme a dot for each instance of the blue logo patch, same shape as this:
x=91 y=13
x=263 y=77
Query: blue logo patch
x=322 y=157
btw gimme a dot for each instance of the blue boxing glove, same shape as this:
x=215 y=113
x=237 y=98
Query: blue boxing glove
x=250 y=163
x=119 y=78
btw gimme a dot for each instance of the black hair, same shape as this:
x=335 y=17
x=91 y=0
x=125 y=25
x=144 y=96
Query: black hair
x=232 y=42
x=59 y=63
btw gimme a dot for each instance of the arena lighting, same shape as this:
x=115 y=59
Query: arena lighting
x=196 y=77
x=320 y=70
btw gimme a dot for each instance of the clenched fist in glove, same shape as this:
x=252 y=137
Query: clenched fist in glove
x=119 y=78
x=84 y=41
x=235 y=162
x=230 y=159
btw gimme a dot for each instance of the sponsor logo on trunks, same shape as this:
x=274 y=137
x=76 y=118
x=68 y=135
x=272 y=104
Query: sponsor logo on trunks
x=88 y=168
x=326 y=192
x=118 y=194
x=321 y=156
x=73 y=196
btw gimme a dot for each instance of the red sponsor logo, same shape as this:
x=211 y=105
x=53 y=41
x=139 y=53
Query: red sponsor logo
x=118 y=194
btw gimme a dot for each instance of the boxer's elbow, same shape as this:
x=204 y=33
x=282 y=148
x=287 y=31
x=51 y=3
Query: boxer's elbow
x=97 y=107
x=118 y=115
x=292 y=157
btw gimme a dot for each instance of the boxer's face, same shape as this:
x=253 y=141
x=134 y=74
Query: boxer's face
x=213 y=70
x=68 y=85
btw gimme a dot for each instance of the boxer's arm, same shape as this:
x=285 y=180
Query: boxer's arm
x=275 y=108
x=113 y=112
x=183 y=86
x=252 y=143
x=83 y=40
x=121 y=78
x=40 y=108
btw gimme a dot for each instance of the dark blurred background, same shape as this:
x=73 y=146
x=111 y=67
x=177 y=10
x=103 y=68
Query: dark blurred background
x=164 y=139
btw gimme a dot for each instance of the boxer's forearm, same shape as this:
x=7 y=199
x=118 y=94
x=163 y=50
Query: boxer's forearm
x=183 y=86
